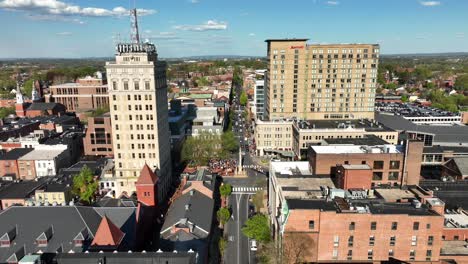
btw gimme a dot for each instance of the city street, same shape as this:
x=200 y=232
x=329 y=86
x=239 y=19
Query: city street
x=238 y=250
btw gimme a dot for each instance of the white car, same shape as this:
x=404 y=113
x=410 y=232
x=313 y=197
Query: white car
x=253 y=245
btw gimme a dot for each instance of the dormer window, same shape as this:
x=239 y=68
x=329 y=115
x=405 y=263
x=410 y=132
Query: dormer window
x=79 y=239
x=7 y=238
x=44 y=237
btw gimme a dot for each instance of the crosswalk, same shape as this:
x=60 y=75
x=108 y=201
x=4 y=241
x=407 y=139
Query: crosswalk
x=246 y=189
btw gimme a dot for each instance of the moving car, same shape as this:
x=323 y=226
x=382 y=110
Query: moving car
x=253 y=245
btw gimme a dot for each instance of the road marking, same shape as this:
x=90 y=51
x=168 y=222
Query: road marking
x=246 y=190
x=238 y=228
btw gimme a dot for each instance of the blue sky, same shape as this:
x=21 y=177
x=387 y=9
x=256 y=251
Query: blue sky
x=89 y=28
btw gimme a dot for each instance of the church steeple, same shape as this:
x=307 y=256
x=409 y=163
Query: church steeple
x=34 y=93
x=19 y=95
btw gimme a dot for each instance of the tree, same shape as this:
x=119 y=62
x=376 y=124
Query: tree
x=223 y=215
x=257 y=228
x=85 y=185
x=222 y=244
x=200 y=149
x=6 y=111
x=461 y=83
x=257 y=200
x=229 y=142
x=404 y=98
x=225 y=190
x=243 y=98
x=297 y=248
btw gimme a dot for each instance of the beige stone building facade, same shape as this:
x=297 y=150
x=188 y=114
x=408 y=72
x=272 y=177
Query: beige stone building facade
x=139 y=116
x=293 y=137
x=333 y=81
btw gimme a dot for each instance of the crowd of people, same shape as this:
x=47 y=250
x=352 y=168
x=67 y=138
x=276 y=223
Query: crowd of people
x=224 y=167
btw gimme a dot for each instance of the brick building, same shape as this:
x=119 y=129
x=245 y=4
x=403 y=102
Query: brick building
x=389 y=164
x=98 y=138
x=340 y=230
x=85 y=94
x=9 y=162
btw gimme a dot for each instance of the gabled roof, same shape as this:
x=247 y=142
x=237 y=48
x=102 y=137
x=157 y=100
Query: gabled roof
x=108 y=234
x=147 y=176
x=462 y=164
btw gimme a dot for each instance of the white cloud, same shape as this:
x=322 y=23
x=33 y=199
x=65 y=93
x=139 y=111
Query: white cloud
x=333 y=3
x=429 y=3
x=59 y=8
x=251 y=34
x=65 y=33
x=208 y=25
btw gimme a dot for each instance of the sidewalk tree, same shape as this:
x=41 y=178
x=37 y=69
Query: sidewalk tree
x=225 y=190
x=223 y=215
x=222 y=244
x=85 y=185
x=257 y=228
x=6 y=111
x=243 y=98
x=229 y=142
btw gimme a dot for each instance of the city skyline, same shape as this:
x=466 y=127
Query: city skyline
x=85 y=28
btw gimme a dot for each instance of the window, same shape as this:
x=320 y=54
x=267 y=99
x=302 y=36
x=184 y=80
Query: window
x=393 y=175
x=394 y=225
x=370 y=254
x=352 y=225
x=336 y=241
x=392 y=240
x=390 y=253
x=416 y=226
x=311 y=224
x=335 y=254
x=350 y=241
x=412 y=254
x=428 y=226
x=394 y=164
x=125 y=85
x=430 y=240
x=371 y=240
x=350 y=254
x=377 y=176
x=456 y=237
x=428 y=254
x=147 y=85
x=378 y=164
x=373 y=225
x=114 y=85
x=414 y=240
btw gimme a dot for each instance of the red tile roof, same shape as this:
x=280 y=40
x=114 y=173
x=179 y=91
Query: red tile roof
x=108 y=234
x=147 y=176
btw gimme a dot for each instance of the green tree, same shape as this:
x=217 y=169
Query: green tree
x=243 y=98
x=225 y=190
x=461 y=83
x=223 y=215
x=6 y=111
x=199 y=150
x=222 y=244
x=404 y=98
x=27 y=87
x=229 y=142
x=85 y=185
x=257 y=200
x=257 y=228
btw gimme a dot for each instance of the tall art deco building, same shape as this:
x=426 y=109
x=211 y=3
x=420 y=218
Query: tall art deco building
x=139 y=115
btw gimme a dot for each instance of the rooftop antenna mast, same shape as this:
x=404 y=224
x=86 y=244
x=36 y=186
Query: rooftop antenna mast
x=135 y=35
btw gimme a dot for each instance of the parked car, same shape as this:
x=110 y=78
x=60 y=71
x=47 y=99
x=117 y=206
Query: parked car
x=253 y=245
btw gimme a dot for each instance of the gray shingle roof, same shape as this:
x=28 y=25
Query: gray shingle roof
x=199 y=213
x=60 y=224
x=462 y=164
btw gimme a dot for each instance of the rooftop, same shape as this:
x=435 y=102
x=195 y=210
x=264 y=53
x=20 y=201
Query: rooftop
x=412 y=110
x=15 y=154
x=454 y=248
x=394 y=194
x=355 y=149
x=362 y=124
x=42 y=154
x=310 y=187
x=456 y=219
x=368 y=140
x=290 y=168
x=285 y=40
x=457 y=134
x=356 y=167
x=129 y=257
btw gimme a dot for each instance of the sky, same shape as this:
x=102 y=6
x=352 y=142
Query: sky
x=91 y=28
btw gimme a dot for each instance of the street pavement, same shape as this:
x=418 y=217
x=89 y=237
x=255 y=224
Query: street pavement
x=238 y=248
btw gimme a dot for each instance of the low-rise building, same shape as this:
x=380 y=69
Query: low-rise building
x=277 y=136
x=9 y=162
x=19 y=192
x=42 y=162
x=85 y=94
x=388 y=164
x=207 y=120
x=98 y=137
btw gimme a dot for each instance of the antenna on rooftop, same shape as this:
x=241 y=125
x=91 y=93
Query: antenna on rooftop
x=134 y=34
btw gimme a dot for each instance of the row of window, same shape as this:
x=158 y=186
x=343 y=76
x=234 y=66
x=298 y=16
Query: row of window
x=370 y=254
x=136 y=97
x=373 y=225
x=136 y=85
